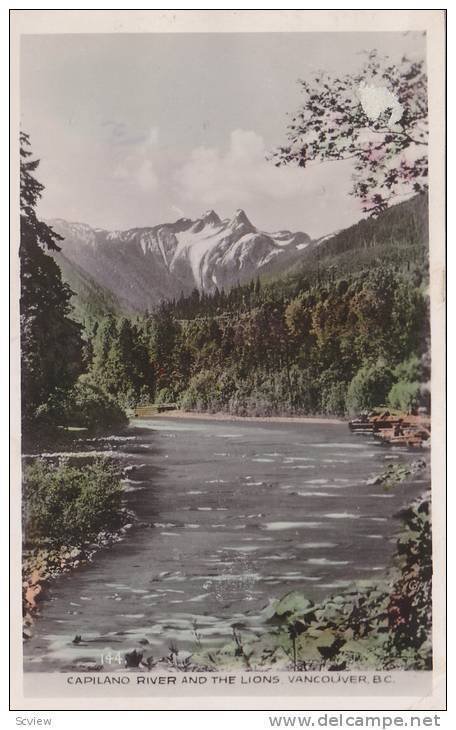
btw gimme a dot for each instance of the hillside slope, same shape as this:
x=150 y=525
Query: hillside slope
x=143 y=266
x=399 y=237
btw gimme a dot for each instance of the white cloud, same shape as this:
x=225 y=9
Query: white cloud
x=153 y=178
x=241 y=176
x=240 y=173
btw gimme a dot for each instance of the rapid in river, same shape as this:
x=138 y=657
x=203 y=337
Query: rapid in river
x=239 y=513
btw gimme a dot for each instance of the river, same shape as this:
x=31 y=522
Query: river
x=240 y=513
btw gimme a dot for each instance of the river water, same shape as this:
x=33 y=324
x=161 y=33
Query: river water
x=240 y=513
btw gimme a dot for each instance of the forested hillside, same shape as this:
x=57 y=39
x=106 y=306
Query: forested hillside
x=348 y=330
x=398 y=237
x=140 y=267
x=92 y=301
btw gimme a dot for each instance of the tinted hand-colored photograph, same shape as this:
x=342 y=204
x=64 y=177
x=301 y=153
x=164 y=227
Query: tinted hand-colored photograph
x=225 y=353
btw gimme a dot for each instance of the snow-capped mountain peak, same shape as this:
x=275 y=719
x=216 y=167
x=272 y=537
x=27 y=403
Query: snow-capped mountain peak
x=146 y=265
x=239 y=222
x=210 y=217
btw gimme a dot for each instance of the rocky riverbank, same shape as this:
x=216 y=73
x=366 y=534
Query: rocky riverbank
x=86 y=481
x=41 y=565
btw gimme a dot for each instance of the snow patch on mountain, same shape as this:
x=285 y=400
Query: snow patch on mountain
x=146 y=265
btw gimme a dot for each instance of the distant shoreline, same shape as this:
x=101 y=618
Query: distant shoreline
x=196 y=415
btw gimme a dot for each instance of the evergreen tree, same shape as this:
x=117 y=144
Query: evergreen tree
x=51 y=344
x=121 y=363
x=166 y=332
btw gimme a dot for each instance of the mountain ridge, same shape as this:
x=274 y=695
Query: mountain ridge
x=144 y=265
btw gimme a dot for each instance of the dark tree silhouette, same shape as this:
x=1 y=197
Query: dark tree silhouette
x=51 y=345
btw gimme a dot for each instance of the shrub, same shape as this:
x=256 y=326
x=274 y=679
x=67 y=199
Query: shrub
x=88 y=406
x=369 y=387
x=202 y=393
x=251 y=405
x=410 y=370
x=333 y=399
x=305 y=390
x=127 y=399
x=260 y=394
x=404 y=395
x=410 y=604
x=166 y=395
x=69 y=505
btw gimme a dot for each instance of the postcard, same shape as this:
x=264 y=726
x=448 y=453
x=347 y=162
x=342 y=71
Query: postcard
x=227 y=307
